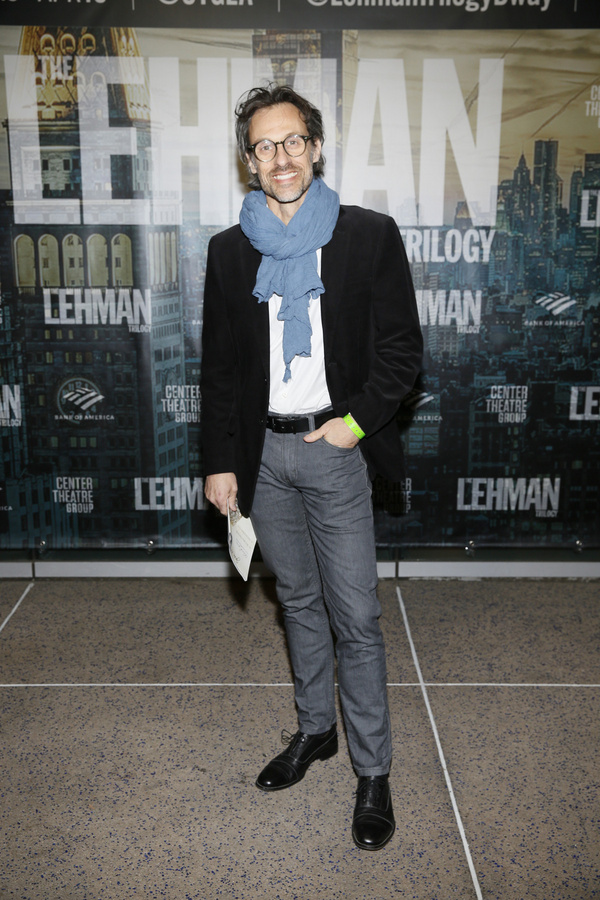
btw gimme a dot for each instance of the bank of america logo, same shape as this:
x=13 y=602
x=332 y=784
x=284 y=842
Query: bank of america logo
x=76 y=396
x=416 y=399
x=556 y=303
x=83 y=397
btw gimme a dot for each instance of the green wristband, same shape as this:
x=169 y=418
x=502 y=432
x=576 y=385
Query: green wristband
x=354 y=426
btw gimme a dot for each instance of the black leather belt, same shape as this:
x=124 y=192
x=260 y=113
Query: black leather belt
x=297 y=424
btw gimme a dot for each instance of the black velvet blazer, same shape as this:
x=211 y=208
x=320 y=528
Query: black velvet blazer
x=372 y=337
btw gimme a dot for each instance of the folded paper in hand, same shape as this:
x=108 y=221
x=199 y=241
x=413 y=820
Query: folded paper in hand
x=241 y=540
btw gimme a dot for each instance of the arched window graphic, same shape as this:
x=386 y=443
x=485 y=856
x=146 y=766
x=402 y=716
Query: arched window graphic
x=87 y=43
x=98 y=80
x=163 y=276
x=98 y=261
x=126 y=43
x=97 y=88
x=151 y=258
x=47 y=45
x=156 y=279
x=122 y=266
x=68 y=44
x=174 y=274
x=80 y=81
x=25 y=261
x=49 y=263
x=72 y=251
x=168 y=275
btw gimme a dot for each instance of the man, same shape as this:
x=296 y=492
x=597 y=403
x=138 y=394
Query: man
x=311 y=338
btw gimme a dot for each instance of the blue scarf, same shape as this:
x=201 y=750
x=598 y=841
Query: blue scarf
x=289 y=259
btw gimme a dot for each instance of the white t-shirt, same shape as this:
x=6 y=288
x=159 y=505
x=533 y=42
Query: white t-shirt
x=306 y=391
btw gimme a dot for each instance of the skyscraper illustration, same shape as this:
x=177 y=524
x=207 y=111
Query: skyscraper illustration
x=96 y=300
x=549 y=185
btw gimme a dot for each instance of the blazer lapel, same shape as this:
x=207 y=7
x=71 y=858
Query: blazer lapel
x=260 y=311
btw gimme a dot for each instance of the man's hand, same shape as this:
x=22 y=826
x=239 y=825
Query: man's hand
x=221 y=491
x=335 y=432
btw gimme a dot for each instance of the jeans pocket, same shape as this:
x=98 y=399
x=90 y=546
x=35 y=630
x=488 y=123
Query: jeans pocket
x=323 y=440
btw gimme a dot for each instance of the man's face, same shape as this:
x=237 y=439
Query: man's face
x=284 y=179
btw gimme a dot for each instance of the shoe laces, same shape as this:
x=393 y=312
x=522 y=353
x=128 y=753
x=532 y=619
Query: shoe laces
x=293 y=741
x=287 y=737
x=371 y=793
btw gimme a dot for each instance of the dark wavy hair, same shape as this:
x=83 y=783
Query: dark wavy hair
x=272 y=95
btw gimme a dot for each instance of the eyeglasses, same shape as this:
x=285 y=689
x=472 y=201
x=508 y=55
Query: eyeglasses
x=294 y=145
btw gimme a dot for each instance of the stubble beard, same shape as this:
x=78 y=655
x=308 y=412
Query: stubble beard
x=281 y=194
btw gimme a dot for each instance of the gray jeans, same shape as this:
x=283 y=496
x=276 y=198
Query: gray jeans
x=313 y=518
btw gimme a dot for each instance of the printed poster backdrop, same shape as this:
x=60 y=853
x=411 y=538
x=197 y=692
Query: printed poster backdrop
x=480 y=136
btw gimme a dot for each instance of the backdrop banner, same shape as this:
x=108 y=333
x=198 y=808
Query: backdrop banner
x=481 y=137
x=286 y=15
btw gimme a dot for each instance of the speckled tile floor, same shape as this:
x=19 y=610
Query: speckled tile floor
x=135 y=715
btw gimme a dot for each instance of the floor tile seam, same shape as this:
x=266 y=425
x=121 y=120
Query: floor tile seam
x=143 y=684
x=442 y=758
x=283 y=684
x=17 y=605
x=496 y=684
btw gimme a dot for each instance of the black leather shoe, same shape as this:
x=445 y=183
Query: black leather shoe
x=290 y=766
x=373 y=823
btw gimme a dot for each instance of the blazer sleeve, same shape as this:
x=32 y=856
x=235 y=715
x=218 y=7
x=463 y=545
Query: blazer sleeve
x=217 y=380
x=395 y=341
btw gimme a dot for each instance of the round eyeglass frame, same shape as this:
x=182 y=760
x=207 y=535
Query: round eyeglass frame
x=305 y=137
